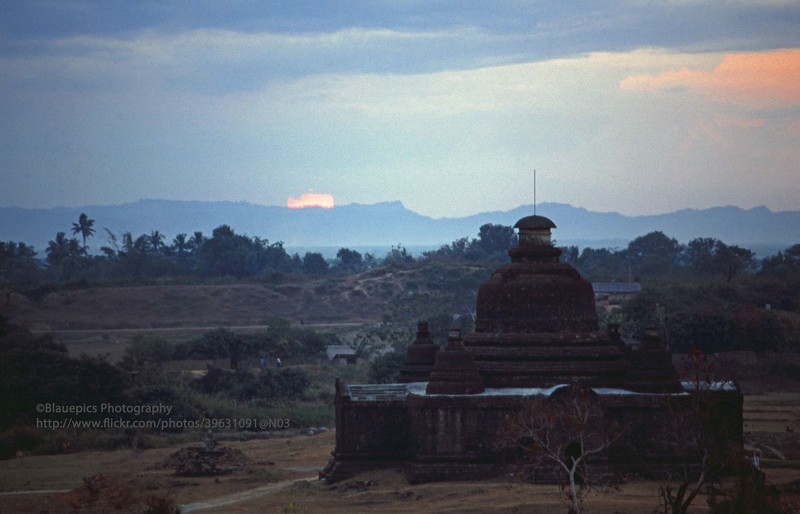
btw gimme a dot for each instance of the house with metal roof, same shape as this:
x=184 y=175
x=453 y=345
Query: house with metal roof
x=342 y=354
x=611 y=294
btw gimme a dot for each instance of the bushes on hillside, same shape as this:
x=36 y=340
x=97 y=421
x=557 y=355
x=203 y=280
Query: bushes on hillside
x=279 y=340
x=711 y=317
x=285 y=383
x=37 y=372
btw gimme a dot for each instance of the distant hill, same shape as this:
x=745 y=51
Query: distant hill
x=386 y=224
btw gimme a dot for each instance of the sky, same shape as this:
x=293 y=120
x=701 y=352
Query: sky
x=633 y=106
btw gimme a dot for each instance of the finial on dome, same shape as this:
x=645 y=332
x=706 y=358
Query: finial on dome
x=534 y=230
x=535 y=243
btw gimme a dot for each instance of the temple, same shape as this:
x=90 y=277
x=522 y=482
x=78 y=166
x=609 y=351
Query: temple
x=536 y=331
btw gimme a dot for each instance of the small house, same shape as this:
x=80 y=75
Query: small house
x=611 y=294
x=341 y=354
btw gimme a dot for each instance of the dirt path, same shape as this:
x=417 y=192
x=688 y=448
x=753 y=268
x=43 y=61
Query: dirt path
x=43 y=491
x=241 y=496
x=93 y=331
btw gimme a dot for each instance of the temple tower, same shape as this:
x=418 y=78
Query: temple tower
x=455 y=371
x=536 y=322
x=420 y=356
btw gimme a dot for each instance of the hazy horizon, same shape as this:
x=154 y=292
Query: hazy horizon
x=389 y=201
x=631 y=107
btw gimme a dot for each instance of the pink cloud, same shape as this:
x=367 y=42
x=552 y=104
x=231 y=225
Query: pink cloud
x=756 y=79
x=738 y=122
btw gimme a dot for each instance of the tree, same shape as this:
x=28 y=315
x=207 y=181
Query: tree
x=398 y=256
x=228 y=253
x=111 y=251
x=495 y=239
x=314 y=263
x=700 y=254
x=654 y=244
x=180 y=244
x=61 y=248
x=272 y=256
x=131 y=254
x=84 y=228
x=18 y=265
x=457 y=250
x=697 y=435
x=570 y=255
x=196 y=241
x=566 y=430
x=231 y=254
x=385 y=368
x=654 y=253
x=792 y=256
x=146 y=351
x=600 y=264
x=156 y=240
x=349 y=260
x=730 y=260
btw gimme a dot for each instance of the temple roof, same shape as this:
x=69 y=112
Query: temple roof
x=535 y=223
x=377 y=392
x=617 y=287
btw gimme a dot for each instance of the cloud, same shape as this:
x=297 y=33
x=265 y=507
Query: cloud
x=753 y=79
x=218 y=61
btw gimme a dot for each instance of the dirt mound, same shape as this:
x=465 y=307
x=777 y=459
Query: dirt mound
x=196 y=461
x=114 y=493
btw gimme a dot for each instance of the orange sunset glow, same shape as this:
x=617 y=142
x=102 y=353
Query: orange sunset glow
x=322 y=200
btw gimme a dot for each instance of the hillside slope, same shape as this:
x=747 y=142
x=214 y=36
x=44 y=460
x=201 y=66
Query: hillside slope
x=359 y=298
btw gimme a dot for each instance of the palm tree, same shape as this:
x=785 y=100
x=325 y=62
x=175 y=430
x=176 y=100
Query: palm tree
x=196 y=241
x=156 y=242
x=84 y=228
x=111 y=251
x=127 y=243
x=181 y=245
x=61 y=248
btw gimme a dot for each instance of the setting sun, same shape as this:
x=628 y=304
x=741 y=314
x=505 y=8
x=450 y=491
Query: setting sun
x=322 y=200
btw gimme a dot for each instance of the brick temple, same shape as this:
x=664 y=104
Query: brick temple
x=536 y=331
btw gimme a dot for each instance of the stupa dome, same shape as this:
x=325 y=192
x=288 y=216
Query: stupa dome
x=536 y=321
x=536 y=292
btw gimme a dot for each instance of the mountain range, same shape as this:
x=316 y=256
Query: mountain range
x=383 y=225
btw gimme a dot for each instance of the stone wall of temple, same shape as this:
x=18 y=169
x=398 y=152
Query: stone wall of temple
x=455 y=437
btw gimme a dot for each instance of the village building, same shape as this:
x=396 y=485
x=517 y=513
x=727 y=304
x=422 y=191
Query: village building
x=610 y=295
x=536 y=332
x=341 y=354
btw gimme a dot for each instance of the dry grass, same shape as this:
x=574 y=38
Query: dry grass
x=103 y=321
x=270 y=485
x=344 y=299
x=274 y=460
x=282 y=479
x=164 y=307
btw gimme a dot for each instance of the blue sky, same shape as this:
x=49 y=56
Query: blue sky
x=632 y=106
